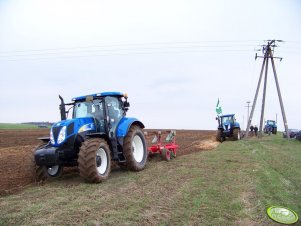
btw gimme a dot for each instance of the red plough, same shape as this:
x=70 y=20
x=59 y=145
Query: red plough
x=168 y=150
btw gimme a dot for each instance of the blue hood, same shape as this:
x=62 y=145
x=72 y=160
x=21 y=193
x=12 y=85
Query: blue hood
x=73 y=126
x=228 y=125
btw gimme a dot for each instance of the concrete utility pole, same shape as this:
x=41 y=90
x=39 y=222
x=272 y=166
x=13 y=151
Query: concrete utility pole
x=268 y=54
x=248 y=106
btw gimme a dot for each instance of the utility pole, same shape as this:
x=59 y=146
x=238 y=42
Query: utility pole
x=263 y=97
x=243 y=121
x=248 y=106
x=268 y=54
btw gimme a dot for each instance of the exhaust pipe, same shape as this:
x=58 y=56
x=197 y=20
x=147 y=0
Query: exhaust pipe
x=62 y=108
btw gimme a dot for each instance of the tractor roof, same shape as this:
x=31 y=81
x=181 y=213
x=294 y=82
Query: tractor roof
x=116 y=94
x=228 y=115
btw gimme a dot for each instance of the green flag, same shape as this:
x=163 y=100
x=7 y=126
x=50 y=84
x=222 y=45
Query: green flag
x=218 y=108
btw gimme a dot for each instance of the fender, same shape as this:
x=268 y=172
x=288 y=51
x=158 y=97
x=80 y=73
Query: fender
x=236 y=125
x=125 y=124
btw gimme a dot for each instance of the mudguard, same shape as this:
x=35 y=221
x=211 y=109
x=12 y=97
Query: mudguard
x=125 y=124
x=236 y=125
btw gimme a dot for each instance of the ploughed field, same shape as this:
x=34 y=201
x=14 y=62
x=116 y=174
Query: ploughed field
x=17 y=146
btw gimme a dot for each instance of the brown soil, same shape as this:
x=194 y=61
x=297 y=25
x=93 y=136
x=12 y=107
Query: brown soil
x=12 y=138
x=17 y=146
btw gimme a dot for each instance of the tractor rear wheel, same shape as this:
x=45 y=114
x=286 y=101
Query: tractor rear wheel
x=94 y=160
x=274 y=130
x=236 y=134
x=134 y=149
x=219 y=135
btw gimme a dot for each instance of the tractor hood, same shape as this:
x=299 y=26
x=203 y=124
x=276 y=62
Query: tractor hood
x=61 y=131
x=227 y=126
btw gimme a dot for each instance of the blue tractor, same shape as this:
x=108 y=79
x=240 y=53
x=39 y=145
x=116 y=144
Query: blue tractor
x=98 y=132
x=270 y=127
x=227 y=127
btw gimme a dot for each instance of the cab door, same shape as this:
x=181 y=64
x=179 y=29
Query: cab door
x=114 y=113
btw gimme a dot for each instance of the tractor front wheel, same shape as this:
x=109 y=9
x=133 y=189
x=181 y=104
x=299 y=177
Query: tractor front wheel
x=94 y=160
x=134 y=149
x=219 y=135
x=44 y=172
x=236 y=134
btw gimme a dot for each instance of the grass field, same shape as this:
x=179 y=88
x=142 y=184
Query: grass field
x=17 y=126
x=233 y=184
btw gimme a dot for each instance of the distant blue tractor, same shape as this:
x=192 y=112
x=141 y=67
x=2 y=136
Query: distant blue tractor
x=270 y=127
x=227 y=127
x=98 y=132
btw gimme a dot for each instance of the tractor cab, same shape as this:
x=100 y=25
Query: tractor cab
x=96 y=113
x=271 y=123
x=105 y=110
x=226 y=122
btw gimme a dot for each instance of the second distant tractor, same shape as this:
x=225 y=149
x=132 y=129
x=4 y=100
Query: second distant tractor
x=270 y=127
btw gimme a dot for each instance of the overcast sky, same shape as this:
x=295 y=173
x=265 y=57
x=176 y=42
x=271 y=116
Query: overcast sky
x=173 y=58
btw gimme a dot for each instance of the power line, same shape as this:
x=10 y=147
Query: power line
x=142 y=44
x=125 y=45
x=129 y=53
x=133 y=49
x=127 y=49
x=197 y=48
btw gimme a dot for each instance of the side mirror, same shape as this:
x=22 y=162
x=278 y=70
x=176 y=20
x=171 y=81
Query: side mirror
x=126 y=105
x=216 y=118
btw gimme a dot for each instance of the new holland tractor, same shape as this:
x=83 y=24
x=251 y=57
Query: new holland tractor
x=227 y=127
x=98 y=132
x=270 y=127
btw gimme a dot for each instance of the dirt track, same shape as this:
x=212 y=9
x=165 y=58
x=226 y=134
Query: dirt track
x=16 y=147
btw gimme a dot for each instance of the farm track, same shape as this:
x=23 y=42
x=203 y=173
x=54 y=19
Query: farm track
x=16 y=152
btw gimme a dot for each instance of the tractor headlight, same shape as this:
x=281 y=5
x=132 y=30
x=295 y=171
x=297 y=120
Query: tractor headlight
x=51 y=137
x=62 y=135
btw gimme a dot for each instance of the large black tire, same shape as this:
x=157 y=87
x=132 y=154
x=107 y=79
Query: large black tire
x=94 y=160
x=42 y=173
x=134 y=149
x=219 y=135
x=274 y=130
x=236 y=134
